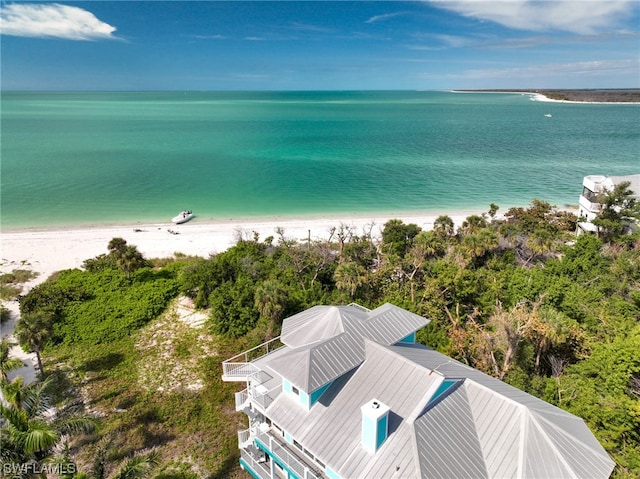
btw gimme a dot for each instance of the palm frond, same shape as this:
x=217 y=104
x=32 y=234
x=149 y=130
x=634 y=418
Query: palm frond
x=35 y=399
x=39 y=437
x=77 y=424
x=16 y=418
x=138 y=466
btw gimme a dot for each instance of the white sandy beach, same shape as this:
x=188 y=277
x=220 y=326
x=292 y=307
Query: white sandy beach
x=48 y=251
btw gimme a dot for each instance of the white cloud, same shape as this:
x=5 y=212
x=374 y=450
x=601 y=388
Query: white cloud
x=584 y=16
x=596 y=68
x=210 y=37
x=386 y=16
x=305 y=27
x=52 y=21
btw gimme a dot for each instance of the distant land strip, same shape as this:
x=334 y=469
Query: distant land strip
x=630 y=95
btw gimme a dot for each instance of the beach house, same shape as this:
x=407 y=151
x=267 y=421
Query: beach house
x=592 y=187
x=346 y=392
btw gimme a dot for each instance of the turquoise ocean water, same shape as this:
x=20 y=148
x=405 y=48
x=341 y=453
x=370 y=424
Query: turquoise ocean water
x=124 y=158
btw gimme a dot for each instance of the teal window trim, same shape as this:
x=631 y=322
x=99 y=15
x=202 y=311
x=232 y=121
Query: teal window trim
x=444 y=387
x=410 y=339
x=315 y=395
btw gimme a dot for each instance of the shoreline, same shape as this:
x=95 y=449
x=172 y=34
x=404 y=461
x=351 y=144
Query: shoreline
x=206 y=220
x=541 y=97
x=47 y=250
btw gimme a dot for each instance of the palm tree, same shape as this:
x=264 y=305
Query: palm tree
x=269 y=299
x=127 y=257
x=472 y=224
x=116 y=244
x=349 y=277
x=33 y=330
x=136 y=467
x=129 y=260
x=540 y=242
x=443 y=226
x=7 y=363
x=30 y=431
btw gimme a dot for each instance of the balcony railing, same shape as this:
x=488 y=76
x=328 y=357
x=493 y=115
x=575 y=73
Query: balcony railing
x=264 y=399
x=242 y=400
x=259 y=468
x=244 y=438
x=280 y=453
x=258 y=396
x=240 y=367
x=591 y=206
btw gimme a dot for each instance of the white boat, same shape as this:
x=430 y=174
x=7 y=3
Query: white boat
x=182 y=217
x=548 y=115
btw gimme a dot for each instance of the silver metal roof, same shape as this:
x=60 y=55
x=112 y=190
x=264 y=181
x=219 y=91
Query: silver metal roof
x=634 y=182
x=479 y=427
x=327 y=341
x=518 y=434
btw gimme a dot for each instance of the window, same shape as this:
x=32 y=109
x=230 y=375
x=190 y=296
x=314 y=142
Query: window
x=311 y=456
x=320 y=463
x=295 y=390
x=589 y=195
x=297 y=444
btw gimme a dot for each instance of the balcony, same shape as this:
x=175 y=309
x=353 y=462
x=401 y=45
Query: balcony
x=591 y=207
x=244 y=438
x=281 y=453
x=255 y=462
x=241 y=367
x=258 y=395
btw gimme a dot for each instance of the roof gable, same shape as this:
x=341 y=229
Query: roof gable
x=447 y=443
x=519 y=435
x=327 y=341
x=480 y=427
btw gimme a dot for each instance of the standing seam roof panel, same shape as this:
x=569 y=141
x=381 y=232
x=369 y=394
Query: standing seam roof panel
x=539 y=447
x=498 y=426
x=583 y=462
x=447 y=442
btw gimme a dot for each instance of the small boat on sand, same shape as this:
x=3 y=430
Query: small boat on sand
x=182 y=217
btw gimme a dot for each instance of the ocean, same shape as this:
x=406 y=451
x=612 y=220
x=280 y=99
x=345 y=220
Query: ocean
x=80 y=159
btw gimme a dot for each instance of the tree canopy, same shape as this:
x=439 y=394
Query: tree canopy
x=518 y=297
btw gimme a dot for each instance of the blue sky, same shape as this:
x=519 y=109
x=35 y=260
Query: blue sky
x=320 y=45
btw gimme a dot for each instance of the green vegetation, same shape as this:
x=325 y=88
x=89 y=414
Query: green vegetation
x=5 y=314
x=520 y=298
x=29 y=433
x=7 y=363
x=11 y=283
x=619 y=210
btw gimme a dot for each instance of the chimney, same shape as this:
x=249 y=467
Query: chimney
x=375 y=424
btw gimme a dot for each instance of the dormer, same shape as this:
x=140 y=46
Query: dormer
x=305 y=399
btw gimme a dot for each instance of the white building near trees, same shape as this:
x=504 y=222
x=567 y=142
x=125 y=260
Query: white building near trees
x=593 y=187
